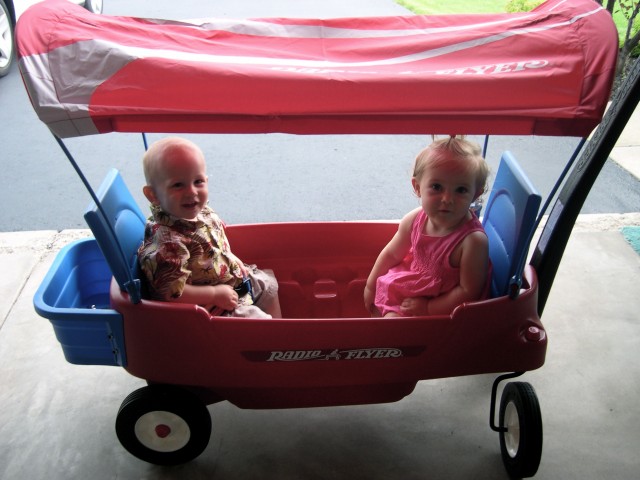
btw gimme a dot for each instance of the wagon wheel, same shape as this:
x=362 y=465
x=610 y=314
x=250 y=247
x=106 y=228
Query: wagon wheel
x=521 y=440
x=163 y=425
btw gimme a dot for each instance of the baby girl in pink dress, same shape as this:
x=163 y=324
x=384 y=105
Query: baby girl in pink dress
x=439 y=257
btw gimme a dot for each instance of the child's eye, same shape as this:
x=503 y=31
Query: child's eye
x=436 y=186
x=176 y=185
x=462 y=189
x=199 y=182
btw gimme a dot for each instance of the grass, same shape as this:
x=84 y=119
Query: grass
x=435 y=7
x=431 y=7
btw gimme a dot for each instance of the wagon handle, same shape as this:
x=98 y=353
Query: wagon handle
x=553 y=239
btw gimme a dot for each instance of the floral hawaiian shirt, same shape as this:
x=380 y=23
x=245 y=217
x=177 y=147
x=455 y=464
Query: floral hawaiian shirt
x=176 y=252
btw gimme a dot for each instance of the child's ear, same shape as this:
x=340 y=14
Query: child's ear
x=478 y=194
x=416 y=186
x=150 y=194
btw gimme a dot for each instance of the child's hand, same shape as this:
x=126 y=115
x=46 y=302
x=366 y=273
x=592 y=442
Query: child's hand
x=225 y=297
x=415 y=306
x=369 y=298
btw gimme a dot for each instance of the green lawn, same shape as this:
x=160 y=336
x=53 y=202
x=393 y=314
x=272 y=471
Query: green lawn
x=430 y=7
x=427 y=7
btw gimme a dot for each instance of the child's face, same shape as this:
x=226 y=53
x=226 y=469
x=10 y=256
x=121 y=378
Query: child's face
x=179 y=183
x=446 y=192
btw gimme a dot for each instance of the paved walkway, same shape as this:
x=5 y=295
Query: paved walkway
x=56 y=420
x=627 y=150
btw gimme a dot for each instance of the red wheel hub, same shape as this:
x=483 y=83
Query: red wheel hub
x=162 y=430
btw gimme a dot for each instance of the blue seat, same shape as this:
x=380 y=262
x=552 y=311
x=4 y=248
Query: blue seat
x=509 y=221
x=119 y=234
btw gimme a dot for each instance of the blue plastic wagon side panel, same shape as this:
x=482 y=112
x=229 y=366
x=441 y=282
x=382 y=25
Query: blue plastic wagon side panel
x=74 y=296
x=509 y=220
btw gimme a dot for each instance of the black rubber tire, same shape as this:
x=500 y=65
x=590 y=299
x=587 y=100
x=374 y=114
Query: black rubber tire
x=521 y=443
x=163 y=425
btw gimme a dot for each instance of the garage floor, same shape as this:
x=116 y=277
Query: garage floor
x=57 y=419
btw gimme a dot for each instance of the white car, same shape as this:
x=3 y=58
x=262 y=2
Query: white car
x=10 y=11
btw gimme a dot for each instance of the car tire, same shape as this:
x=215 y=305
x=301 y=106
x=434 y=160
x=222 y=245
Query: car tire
x=7 y=40
x=94 y=6
x=163 y=425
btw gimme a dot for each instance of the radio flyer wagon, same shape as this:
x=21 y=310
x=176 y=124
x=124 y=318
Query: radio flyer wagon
x=547 y=72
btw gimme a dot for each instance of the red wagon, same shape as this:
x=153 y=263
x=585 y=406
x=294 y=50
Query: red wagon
x=547 y=72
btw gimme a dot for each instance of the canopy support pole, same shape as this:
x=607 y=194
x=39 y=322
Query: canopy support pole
x=515 y=283
x=132 y=285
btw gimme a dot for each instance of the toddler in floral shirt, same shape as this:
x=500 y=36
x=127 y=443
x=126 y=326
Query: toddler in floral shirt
x=185 y=255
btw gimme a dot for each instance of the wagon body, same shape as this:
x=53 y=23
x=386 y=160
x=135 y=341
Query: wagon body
x=326 y=351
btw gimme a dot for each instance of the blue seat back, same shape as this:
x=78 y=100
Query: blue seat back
x=509 y=221
x=119 y=234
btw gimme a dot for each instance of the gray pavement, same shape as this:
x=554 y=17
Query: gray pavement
x=57 y=419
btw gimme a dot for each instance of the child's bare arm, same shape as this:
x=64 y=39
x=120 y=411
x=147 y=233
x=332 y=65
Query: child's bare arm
x=222 y=296
x=392 y=254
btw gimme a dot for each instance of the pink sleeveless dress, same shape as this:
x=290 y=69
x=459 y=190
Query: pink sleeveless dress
x=426 y=271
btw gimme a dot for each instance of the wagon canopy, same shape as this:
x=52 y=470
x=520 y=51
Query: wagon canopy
x=545 y=72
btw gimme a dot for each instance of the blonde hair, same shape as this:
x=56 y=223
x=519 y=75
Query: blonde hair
x=456 y=148
x=152 y=158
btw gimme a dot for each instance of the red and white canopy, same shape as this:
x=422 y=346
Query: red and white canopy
x=546 y=72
